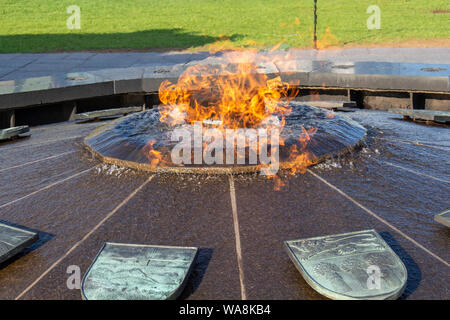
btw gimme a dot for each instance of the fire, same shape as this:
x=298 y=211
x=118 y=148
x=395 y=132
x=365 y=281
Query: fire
x=232 y=95
x=235 y=95
x=154 y=156
x=299 y=160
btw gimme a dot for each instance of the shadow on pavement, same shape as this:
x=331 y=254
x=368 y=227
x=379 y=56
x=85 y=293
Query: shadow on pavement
x=414 y=273
x=43 y=238
x=201 y=264
x=157 y=38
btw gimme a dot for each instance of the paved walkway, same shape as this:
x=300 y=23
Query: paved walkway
x=239 y=222
x=21 y=66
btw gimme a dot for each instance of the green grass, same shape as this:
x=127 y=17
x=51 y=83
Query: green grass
x=40 y=25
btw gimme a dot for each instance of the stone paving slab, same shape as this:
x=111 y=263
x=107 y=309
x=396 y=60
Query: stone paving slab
x=299 y=65
x=53 y=95
x=69 y=220
x=365 y=69
x=13 y=132
x=17 y=62
x=45 y=66
x=388 y=59
x=106 y=113
x=164 y=71
x=293 y=213
x=333 y=105
x=388 y=68
x=38 y=175
x=168 y=211
x=376 y=81
x=14 y=240
x=411 y=55
x=83 y=85
x=443 y=218
x=429 y=115
x=6 y=70
x=202 y=206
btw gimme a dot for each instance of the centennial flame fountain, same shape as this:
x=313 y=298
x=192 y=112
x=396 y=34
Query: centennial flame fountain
x=225 y=118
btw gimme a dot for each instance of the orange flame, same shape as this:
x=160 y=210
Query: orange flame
x=300 y=160
x=232 y=95
x=154 y=156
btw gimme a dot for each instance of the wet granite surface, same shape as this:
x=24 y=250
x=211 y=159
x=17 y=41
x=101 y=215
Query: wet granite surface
x=128 y=139
x=402 y=175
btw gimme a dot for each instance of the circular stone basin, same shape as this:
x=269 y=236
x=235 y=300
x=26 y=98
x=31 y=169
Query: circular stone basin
x=125 y=141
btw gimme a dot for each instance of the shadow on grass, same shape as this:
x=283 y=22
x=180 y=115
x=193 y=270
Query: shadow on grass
x=76 y=41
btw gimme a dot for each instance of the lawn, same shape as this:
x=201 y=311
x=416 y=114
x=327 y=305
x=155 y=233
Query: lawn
x=40 y=25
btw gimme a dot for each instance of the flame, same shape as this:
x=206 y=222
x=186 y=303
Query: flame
x=232 y=95
x=154 y=156
x=300 y=160
x=235 y=94
x=279 y=184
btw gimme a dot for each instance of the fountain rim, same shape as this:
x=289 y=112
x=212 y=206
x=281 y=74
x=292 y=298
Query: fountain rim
x=204 y=169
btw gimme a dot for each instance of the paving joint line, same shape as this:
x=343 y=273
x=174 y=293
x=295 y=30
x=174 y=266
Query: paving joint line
x=237 y=237
x=86 y=236
x=40 y=143
x=415 y=172
x=46 y=187
x=373 y=214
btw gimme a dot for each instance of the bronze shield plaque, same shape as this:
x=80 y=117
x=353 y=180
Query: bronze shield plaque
x=138 y=272
x=356 y=265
